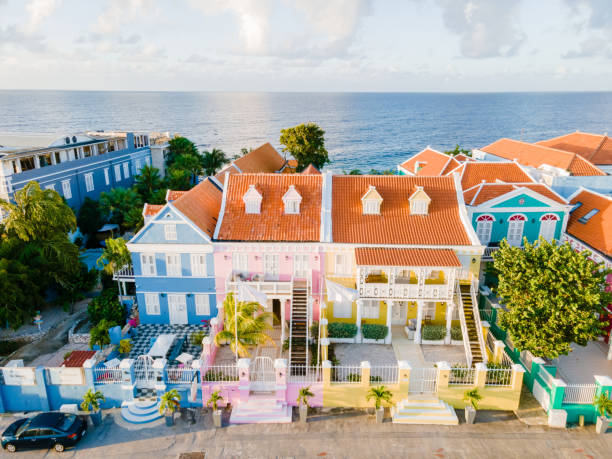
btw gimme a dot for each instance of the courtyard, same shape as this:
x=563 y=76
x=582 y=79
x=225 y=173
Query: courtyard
x=583 y=363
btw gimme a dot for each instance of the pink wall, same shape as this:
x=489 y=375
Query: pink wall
x=228 y=390
x=315 y=388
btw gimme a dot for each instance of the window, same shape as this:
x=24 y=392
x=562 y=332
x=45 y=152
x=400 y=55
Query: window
x=66 y=189
x=89 y=183
x=484 y=226
x=147 y=260
x=576 y=206
x=343 y=309
x=548 y=225
x=117 y=172
x=27 y=163
x=198 y=264
x=371 y=207
x=50 y=187
x=126 y=170
x=152 y=304
x=252 y=200
x=44 y=160
x=271 y=266
x=173 y=265
x=240 y=263
x=515 y=230
x=138 y=165
x=418 y=207
x=102 y=148
x=170 y=231
x=300 y=266
x=429 y=311
x=202 y=305
x=292 y=206
x=590 y=214
x=57 y=157
x=252 y=206
x=371 y=309
x=343 y=265
x=106 y=177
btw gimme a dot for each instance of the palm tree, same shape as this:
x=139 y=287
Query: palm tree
x=169 y=402
x=213 y=160
x=114 y=256
x=91 y=400
x=379 y=394
x=251 y=323
x=303 y=395
x=147 y=182
x=213 y=400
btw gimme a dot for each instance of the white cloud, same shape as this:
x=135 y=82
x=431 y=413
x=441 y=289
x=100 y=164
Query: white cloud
x=39 y=10
x=119 y=12
x=593 y=18
x=487 y=28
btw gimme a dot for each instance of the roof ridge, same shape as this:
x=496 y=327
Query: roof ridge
x=476 y=194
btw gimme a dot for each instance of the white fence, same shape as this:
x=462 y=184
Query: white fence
x=181 y=375
x=526 y=358
x=546 y=376
x=499 y=377
x=506 y=360
x=217 y=373
x=423 y=380
x=490 y=341
x=104 y=375
x=581 y=394
x=387 y=374
x=346 y=374
x=462 y=376
x=304 y=374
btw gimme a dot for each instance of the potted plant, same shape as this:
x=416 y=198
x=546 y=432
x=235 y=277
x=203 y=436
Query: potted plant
x=125 y=346
x=91 y=403
x=303 y=395
x=213 y=401
x=603 y=405
x=471 y=397
x=379 y=394
x=168 y=404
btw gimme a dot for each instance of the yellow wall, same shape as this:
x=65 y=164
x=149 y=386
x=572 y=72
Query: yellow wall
x=493 y=398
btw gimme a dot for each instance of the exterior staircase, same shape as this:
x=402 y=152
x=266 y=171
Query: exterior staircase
x=473 y=328
x=140 y=412
x=298 y=338
x=261 y=409
x=416 y=410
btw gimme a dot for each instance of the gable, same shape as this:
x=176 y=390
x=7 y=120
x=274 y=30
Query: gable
x=522 y=200
x=154 y=232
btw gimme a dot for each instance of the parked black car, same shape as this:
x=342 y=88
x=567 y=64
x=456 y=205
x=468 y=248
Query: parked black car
x=45 y=430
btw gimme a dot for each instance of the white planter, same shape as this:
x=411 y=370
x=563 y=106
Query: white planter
x=602 y=425
x=470 y=414
x=217 y=418
x=436 y=342
x=342 y=340
x=303 y=413
x=380 y=414
x=373 y=341
x=456 y=342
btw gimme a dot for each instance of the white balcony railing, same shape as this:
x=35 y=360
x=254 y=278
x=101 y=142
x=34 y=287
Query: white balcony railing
x=488 y=252
x=126 y=273
x=427 y=291
x=264 y=286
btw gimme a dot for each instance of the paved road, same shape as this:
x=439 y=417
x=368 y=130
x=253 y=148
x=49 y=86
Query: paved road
x=352 y=434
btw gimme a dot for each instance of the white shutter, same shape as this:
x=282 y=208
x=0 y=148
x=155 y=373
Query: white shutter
x=198 y=264
x=240 y=263
x=371 y=309
x=152 y=303
x=202 y=305
x=118 y=172
x=515 y=232
x=66 y=189
x=170 y=231
x=148 y=264
x=173 y=264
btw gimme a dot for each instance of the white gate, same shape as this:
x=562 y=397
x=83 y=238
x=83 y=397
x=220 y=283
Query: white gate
x=262 y=374
x=423 y=380
x=143 y=372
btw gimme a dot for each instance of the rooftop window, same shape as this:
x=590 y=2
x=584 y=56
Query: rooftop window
x=585 y=218
x=419 y=202
x=576 y=206
x=292 y=200
x=371 y=201
x=252 y=200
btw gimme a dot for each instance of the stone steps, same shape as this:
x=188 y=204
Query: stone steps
x=260 y=410
x=424 y=411
x=138 y=412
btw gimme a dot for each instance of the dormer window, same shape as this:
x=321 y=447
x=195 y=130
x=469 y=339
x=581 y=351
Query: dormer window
x=292 y=200
x=252 y=200
x=371 y=201
x=419 y=202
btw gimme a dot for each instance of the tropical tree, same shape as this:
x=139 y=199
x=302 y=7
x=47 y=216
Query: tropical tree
x=180 y=146
x=306 y=143
x=191 y=164
x=472 y=396
x=214 y=399
x=303 y=395
x=98 y=335
x=251 y=322
x=74 y=288
x=117 y=204
x=458 y=150
x=603 y=405
x=89 y=219
x=91 y=400
x=178 y=179
x=147 y=182
x=553 y=296
x=114 y=256
x=169 y=402
x=379 y=394
x=213 y=160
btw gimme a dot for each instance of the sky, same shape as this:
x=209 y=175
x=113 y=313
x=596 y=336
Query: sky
x=306 y=45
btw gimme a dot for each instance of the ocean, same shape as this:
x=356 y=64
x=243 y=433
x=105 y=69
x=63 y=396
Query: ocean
x=362 y=130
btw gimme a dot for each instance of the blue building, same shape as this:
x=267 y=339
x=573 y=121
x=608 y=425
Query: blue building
x=76 y=166
x=173 y=261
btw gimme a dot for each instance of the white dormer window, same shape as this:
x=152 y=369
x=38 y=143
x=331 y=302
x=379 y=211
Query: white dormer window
x=252 y=200
x=419 y=202
x=292 y=200
x=371 y=201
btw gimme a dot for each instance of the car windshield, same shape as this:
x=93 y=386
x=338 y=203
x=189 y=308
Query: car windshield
x=22 y=427
x=65 y=422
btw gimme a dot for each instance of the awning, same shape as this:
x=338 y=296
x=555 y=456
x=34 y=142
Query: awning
x=367 y=256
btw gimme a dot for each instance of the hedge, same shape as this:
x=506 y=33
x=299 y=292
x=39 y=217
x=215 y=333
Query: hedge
x=341 y=330
x=374 y=331
x=456 y=333
x=433 y=332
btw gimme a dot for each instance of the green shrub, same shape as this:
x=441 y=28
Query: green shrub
x=196 y=338
x=99 y=334
x=286 y=344
x=354 y=377
x=125 y=346
x=341 y=330
x=433 y=332
x=106 y=306
x=314 y=331
x=211 y=375
x=375 y=378
x=456 y=333
x=374 y=331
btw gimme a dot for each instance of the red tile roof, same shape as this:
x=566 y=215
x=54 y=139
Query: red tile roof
x=272 y=224
x=150 y=210
x=462 y=158
x=487 y=191
x=262 y=159
x=77 y=359
x=406 y=257
x=310 y=170
x=536 y=155
x=395 y=225
x=173 y=195
x=476 y=172
x=596 y=232
x=432 y=163
x=595 y=148
x=201 y=205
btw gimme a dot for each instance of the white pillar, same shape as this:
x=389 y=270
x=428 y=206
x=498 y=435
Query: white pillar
x=283 y=307
x=450 y=307
x=358 y=320
x=417 y=333
x=390 y=305
x=610 y=350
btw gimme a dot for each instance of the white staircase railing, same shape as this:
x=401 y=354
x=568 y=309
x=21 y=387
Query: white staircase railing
x=477 y=322
x=464 y=329
x=291 y=323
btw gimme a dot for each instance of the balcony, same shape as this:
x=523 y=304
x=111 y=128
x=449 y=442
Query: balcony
x=406 y=291
x=125 y=274
x=269 y=287
x=488 y=253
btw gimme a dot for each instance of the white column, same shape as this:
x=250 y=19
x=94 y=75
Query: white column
x=283 y=307
x=358 y=320
x=450 y=307
x=390 y=305
x=417 y=333
x=610 y=350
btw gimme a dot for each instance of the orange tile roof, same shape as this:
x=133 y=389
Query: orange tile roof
x=433 y=163
x=201 y=205
x=150 y=210
x=405 y=257
x=534 y=155
x=173 y=195
x=462 y=158
x=395 y=225
x=596 y=232
x=487 y=191
x=262 y=159
x=475 y=172
x=595 y=148
x=310 y=170
x=272 y=224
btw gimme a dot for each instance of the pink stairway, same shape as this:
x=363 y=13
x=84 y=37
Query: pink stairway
x=260 y=409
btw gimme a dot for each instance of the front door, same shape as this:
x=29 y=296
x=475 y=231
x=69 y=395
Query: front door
x=276 y=310
x=398 y=313
x=177 y=308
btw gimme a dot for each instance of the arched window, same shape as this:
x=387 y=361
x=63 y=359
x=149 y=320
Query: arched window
x=548 y=225
x=484 y=227
x=516 y=224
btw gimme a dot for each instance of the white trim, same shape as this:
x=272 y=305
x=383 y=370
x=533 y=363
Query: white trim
x=162 y=248
x=195 y=304
x=150 y=254
x=463 y=214
x=156 y=302
x=326 y=207
x=216 y=182
x=89 y=182
x=523 y=190
x=235 y=167
x=222 y=210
